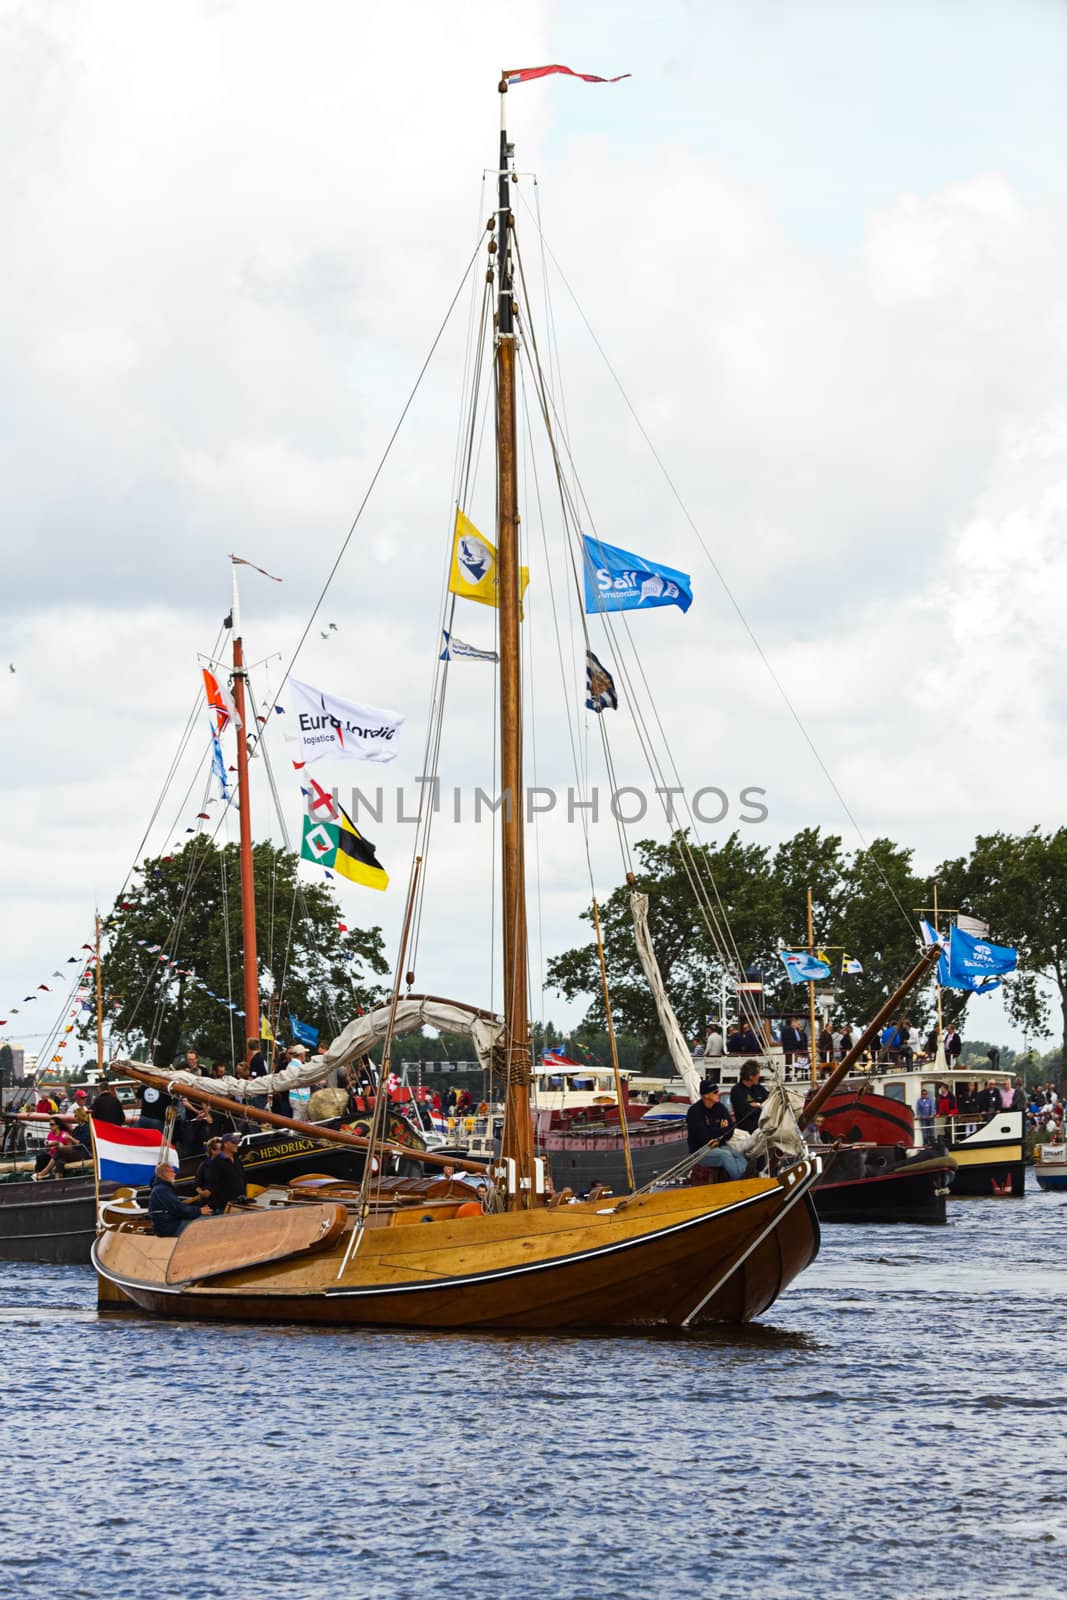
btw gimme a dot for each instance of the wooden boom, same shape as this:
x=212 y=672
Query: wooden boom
x=848 y=1061
x=310 y=1130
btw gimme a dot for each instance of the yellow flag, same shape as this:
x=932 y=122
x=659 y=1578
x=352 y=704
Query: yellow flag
x=474 y=573
x=266 y=1032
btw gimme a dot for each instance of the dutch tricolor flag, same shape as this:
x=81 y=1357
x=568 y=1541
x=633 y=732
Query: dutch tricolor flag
x=128 y=1155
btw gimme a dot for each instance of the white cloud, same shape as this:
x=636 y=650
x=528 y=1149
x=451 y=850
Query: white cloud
x=233 y=244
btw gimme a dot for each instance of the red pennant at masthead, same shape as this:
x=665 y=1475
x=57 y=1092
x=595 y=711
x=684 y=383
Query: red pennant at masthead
x=528 y=74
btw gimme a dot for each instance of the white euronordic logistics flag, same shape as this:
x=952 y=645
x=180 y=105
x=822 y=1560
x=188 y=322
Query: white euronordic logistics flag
x=328 y=726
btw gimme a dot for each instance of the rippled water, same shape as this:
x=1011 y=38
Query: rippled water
x=895 y=1428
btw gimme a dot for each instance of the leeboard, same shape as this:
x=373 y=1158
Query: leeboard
x=215 y=1245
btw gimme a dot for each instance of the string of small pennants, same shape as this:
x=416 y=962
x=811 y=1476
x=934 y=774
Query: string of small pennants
x=187 y=972
x=82 y=999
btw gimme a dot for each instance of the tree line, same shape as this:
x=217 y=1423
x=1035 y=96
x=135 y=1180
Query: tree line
x=864 y=905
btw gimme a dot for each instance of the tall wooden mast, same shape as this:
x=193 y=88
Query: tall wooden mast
x=248 y=894
x=99 y=1003
x=518 y=1128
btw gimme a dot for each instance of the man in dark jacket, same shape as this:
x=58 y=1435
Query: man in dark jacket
x=107 y=1107
x=747 y=1096
x=224 y=1176
x=794 y=1040
x=708 y=1121
x=744 y=1042
x=168 y=1212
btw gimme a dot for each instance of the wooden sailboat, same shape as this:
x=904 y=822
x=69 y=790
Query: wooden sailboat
x=678 y=1257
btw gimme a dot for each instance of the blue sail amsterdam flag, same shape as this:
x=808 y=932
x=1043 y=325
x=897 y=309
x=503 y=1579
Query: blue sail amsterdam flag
x=616 y=580
x=800 y=967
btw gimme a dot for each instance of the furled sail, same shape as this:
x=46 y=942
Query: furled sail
x=679 y=1050
x=361 y=1035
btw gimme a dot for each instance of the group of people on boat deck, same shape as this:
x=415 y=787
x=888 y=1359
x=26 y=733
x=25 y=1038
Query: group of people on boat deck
x=977 y=1100
x=899 y=1042
x=710 y=1124
x=220 y=1182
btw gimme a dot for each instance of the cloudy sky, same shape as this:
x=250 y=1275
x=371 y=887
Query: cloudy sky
x=822 y=249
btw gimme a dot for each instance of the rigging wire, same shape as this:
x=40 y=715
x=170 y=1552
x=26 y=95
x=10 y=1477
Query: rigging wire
x=721 y=576
x=717 y=924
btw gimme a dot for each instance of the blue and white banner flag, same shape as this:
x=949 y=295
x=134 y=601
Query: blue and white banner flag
x=456 y=650
x=616 y=580
x=946 y=979
x=802 y=968
x=218 y=766
x=972 y=957
x=303 y=1032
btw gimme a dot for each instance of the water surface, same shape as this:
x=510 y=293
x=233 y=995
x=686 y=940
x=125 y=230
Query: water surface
x=893 y=1428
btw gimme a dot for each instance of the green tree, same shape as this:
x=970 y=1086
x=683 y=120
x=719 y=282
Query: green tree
x=681 y=920
x=857 y=904
x=877 y=925
x=189 y=907
x=1018 y=884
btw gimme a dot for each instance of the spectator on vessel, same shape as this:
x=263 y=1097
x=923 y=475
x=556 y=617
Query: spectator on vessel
x=732 y=1031
x=747 y=1097
x=813 y=1134
x=257 y=1061
x=696 y=1049
x=1006 y=1092
x=191 y=1062
x=953 y=1045
x=193 y=1127
x=224 y=1176
x=220 y=1069
x=890 y=1041
x=930 y=1047
x=212 y=1148
x=168 y=1213
x=794 y=1040
x=713 y=1043
x=946 y=1101
x=107 y=1107
x=826 y=1044
x=1018 y=1099
x=45 y=1104
x=62 y=1147
x=154 y=1104
x=746 y=1042
x=708 y=1121
x=846 y=1039
x=989 y=1099
x=924 y=1111
x=906 y=1053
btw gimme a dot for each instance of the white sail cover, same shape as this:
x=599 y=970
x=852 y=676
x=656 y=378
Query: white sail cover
x=778 y=1127
x=415 y=1011
x=679 y=1050
x=361 y=1035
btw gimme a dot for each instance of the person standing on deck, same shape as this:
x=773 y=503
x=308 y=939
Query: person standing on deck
x=924 y=1110
x=224 y=1176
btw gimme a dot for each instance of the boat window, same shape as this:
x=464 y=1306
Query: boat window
x=895 y=1091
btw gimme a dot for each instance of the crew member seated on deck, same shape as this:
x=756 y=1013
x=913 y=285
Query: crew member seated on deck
x=747 y=1096
x=167 y=1211
x=708 y=1119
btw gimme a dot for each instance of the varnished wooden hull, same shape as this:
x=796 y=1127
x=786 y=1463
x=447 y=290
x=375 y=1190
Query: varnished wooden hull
x=678 y=1258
